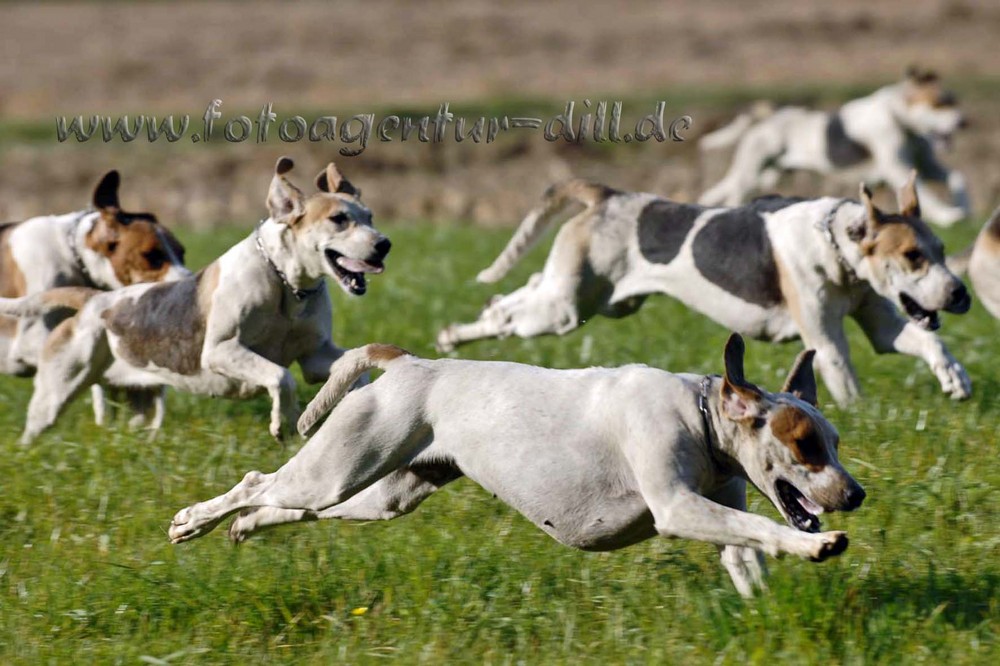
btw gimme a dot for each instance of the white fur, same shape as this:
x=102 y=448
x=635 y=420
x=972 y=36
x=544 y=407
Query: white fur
x=884 y=122
x=597 y=458
x=600 y=247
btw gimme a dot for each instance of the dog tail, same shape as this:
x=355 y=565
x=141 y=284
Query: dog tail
x=729 y=134
x=343 y=374
x=554 y=201
x=40 y=304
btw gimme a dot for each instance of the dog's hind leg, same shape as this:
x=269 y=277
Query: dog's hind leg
x=745 y=565
x=549 y=304
x=371 y=433
x=396 y=494
x=75 y=356
x=753 y=156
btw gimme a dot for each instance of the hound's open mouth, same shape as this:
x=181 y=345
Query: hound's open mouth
x=803 y=513
x=924 y=318
x=350 y=273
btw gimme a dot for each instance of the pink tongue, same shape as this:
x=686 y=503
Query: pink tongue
x=810 y=506
x=358 y=266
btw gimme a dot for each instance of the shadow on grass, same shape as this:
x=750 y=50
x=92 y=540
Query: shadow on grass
x=960 y=600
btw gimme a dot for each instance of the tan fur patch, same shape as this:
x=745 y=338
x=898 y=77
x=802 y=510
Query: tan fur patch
x=12 y=283
x=72 y=298
x=136 y=250
x=796 y=430
x=789 y=292
x=207 y=284
x=895 y=237
x=321 y=207
x=381 y=353
x=164 y=326
x=59 y=338
x=588 y=193
x=989 y=239
x=931 y=94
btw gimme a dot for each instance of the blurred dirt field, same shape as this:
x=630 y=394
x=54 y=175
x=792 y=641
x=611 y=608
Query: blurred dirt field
x=703 y=57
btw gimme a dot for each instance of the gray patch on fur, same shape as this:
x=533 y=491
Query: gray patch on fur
x=734 y=252
x=842 y=150
x=771 y=203
x=164 y=326
x=663 y=226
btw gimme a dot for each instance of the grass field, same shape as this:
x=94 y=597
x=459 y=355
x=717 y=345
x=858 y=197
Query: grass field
x=87 y=574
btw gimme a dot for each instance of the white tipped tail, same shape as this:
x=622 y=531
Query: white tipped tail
x=343 y=374
x=554 y=201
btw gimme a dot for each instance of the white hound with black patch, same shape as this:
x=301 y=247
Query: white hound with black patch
x=776 y=270
x=235 y=327
x=599 y=458
x=883 y=136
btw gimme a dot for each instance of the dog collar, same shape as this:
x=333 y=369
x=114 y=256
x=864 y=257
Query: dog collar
x=826 y=227
x=71 y=241
x=706 y=415
x=299 y=294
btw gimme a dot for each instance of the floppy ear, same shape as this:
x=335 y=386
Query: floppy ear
x=284 y=200
x=106 y=192
x=801 y=381
x=906 y=197
x=740 y=398
x=331 y=180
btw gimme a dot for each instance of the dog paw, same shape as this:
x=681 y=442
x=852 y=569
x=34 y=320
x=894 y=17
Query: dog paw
x=180 y=526
x=445 y=343
x=186 y=526
x=831 y=544
x=955 y=382
x=242 y=526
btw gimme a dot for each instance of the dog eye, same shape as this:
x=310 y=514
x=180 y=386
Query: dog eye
x=340 y=218
x=915 y=257
x=112 y=246
x=155 y=258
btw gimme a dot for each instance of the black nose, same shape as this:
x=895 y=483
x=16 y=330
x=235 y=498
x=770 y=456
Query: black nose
x=960 y=300
x=382 y=247
x=855 y=496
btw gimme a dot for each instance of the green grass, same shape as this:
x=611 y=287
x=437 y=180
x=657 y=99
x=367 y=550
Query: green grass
x=87 y=574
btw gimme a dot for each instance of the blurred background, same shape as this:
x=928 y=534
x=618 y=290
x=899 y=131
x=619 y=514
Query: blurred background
x=705 y=58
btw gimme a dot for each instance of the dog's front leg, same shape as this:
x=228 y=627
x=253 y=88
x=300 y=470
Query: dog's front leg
x=688 y=515
x=316 y=365
x=889 y=332
x=231 y=359
x=745 y=565
x=931 y=169
x=823 y=331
